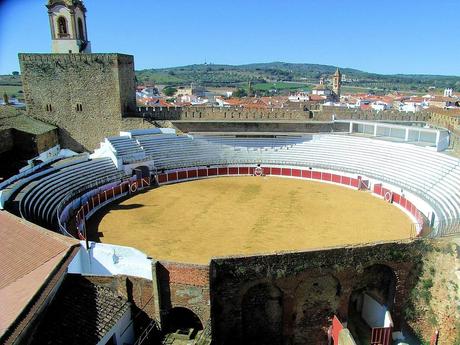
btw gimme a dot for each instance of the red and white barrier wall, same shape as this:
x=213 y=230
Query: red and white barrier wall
x=94 y=200
x=388 y=193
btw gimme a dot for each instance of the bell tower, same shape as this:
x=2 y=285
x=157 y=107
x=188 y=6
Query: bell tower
x=337 y=83
x=68 y=26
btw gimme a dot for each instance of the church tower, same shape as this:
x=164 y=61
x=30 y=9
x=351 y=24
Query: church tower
x=337 y=83
x=68 y=26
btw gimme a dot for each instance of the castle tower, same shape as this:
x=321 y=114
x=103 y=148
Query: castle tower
x=68 y=26
x=337 y=83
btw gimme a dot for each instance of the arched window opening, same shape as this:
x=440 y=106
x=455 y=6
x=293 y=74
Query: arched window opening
x=81 y=35
x=62 y=27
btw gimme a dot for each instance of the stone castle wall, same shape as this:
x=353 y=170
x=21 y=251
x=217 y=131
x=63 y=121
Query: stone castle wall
x=326 y=113
x=260 y=126
x=85 y=95
x=290 y=298
x=282 y=114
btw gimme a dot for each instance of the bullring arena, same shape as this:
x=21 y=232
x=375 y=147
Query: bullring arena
x=196 y=221
x=293 y=222
x=213 y=235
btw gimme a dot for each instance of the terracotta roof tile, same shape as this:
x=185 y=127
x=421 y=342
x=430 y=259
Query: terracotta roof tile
x=28 y=256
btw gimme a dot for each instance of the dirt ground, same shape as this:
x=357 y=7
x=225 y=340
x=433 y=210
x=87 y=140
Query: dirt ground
x=195 y=221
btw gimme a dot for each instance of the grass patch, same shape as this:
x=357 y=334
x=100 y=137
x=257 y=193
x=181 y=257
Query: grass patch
x=11 y=90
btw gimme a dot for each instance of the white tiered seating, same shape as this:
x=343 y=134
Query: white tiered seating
x=427 y=173
x=125 y=146
x=39 y=200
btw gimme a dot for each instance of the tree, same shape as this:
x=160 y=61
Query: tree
x=169 y=91
x=240 y=93
x=15 y=73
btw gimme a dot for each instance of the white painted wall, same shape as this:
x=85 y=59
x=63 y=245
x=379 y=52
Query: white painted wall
x=373 y=312
x=108 y=259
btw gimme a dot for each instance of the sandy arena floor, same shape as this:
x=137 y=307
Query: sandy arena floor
x=194 y=221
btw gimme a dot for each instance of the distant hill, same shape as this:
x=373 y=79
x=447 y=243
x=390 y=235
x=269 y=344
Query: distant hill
x=275 y=75
x=230 y=75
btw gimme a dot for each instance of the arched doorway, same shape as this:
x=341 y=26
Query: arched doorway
x=371 y=300
x=262 y=312
x=182 y=321
x=141 y=171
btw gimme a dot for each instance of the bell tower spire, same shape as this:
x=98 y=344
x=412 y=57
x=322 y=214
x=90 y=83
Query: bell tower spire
x=68 y=26
x=337 y=83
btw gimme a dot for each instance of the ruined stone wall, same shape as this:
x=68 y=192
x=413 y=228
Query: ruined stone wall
x=83 y=94
x=295 y=294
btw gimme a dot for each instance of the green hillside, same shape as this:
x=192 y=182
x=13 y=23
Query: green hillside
x=234 y=76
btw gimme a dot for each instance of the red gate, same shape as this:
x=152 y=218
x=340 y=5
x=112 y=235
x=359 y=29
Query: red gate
x=381 y=336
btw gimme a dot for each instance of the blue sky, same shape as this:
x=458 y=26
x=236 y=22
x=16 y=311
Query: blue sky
x=385 y=36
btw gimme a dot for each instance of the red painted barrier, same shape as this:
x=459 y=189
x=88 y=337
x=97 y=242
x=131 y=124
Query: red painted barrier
x=202 y=172
x=222 y=171
x=296 y=172
x=181 y=175
x=233 y=171
x=172 y=176
x=346 y=180
x=286 y=171
x=335 y=178
x=434 y=338
x=336 y=329
x=162 y=178
x=316 y=175
x=276 y=171
x=306 y=173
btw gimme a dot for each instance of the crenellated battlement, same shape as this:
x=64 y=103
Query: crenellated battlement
x=77 y=58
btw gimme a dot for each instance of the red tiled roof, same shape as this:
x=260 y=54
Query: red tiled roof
x=28 y=256
x=316 y=98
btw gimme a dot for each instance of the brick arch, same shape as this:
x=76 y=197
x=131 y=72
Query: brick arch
x=182 y=318
x=379 y=281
